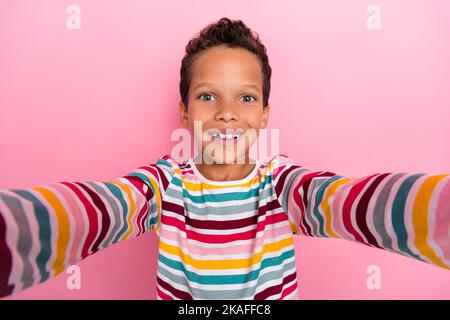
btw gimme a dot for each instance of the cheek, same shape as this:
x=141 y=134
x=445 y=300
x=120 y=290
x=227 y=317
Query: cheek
x=199 y=114
x=254 y=120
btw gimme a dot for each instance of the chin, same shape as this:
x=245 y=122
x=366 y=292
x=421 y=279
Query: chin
x=225 y=156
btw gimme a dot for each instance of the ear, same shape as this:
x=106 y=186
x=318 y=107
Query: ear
x=265 y=117
x=184 y=117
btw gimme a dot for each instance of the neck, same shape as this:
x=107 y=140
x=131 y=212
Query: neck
x=226 y=171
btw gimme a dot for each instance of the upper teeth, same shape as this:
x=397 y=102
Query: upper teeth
x=226 y=136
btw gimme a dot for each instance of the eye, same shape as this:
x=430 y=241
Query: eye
x=250 y=97
x=206 y=95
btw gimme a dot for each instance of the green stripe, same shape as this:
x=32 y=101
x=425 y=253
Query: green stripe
x=118 y=193
x=43 y=220
x=398 y=212
x=214 y=293
x=319 y=199
x=226 y=279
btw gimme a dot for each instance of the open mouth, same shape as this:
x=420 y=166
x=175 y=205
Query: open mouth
x=226 y=138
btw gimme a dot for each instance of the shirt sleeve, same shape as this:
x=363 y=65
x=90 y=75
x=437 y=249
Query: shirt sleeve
x=406 y=213
x=44 y=229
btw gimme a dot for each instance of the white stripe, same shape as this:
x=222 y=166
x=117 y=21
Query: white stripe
x=235 y=271
x=221 y=204
x=388 y=211
x=233 y=242
x=275 y=282
x=237 y=286
x=408 y=217
x=221 y=190
x=371 y=209
x=356 y=203
x=432 y=211
x=11 y=239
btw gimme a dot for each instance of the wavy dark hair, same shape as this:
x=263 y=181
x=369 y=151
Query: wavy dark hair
x=232 y=33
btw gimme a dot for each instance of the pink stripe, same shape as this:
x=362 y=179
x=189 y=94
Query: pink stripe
x=305 y=177
x=152 y=172
x=440 y=234
x=298 y=200
x=270 y=235
x=355 y=191
x=77 y=216
x=140 y=202
x=218 y=238
x=336 y=216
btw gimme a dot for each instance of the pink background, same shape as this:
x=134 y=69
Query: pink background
x=95 y=103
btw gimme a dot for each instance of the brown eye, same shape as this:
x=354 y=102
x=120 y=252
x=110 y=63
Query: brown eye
x=250 y=97
x=206 y=95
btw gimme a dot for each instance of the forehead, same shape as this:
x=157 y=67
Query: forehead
x=222 y=64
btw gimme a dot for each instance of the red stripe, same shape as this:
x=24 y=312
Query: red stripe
x=222 y=225
x=92 y=218
x=272 y=219
x=177 y=293
x=304 y=183
x=215 y=238
x=263 y=295
x=280 y=183
x=173 y=207
x=139 y=184
x=355 y=190
x=142 y=217
x=288 y=291
x=163 y=180
x=105 y=219
x=299 y=202
x=217 y=224
x=154 y=172
x=361 y=210
x=5 y=262
x=162 y=295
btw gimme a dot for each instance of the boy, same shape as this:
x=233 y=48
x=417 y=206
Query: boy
x=225 y=227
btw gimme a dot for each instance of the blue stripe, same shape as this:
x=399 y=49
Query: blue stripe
x=398 y=212
x=43 y=219
x=226 y=279
x=231 y=196
x=318 y=202
x=118 y=193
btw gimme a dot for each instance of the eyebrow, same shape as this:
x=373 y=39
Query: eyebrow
x=244 y=86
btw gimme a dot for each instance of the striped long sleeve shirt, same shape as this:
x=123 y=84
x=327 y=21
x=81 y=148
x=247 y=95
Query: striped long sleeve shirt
x=220 y=239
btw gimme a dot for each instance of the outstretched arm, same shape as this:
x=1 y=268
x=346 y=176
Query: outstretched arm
x=44 y=229
x=407 y=213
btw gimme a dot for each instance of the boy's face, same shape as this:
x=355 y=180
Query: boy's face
x=231 y=101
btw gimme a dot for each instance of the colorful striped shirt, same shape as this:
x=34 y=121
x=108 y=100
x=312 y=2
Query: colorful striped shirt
x=220 y=239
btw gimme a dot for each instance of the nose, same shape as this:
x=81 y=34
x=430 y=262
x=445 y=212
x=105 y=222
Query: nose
x=227 y=112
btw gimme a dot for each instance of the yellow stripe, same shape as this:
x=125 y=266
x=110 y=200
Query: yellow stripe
x=294 y=227
x=158 y=201
x=326 y=207
x=63 y=227
x=203 y=186
x=157 y=195
x=225 y=264
x=420 y=218
x=131 y=210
